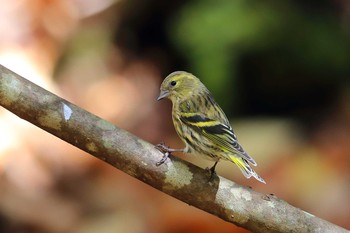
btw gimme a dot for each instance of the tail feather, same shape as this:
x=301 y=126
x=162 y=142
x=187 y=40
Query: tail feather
x=245 y=168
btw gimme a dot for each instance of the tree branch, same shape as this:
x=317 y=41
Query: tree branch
x=221 y=197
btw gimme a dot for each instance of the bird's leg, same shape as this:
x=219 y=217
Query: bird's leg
x=212 y=170
x=166 y=151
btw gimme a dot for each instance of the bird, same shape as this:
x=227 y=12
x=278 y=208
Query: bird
x=201 y=124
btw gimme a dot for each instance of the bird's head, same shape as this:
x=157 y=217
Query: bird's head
x=179 y=86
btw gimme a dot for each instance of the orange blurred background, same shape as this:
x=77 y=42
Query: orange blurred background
x=279 y=70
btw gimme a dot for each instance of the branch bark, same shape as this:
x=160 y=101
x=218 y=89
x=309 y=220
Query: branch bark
x=221 y=197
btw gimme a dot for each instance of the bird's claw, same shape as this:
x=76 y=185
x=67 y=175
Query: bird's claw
x=165 y=157
x=162 y=147
x=165 y=150
x=212 y=173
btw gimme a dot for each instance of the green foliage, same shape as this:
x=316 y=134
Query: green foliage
x=214 y=34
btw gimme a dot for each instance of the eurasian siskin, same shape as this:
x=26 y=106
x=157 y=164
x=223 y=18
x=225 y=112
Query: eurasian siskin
x=201 y=124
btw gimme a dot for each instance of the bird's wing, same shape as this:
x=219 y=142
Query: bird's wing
x=219 y=133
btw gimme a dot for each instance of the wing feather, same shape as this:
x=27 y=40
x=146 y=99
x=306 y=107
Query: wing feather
x=220 y=134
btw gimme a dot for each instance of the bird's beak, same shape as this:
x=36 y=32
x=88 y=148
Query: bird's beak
x=163 y=94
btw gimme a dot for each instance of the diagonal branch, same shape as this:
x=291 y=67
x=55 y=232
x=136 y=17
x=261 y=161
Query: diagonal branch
x=223 y=198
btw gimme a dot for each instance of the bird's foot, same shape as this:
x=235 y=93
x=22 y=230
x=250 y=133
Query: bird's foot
x=212 y=171
x=165 y=150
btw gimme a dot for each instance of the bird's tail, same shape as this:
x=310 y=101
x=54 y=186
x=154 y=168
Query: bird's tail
x=245 y=168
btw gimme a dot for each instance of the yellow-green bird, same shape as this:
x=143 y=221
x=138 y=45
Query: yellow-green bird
x=201 y=124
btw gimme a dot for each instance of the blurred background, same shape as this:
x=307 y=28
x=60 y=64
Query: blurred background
x=279 y=69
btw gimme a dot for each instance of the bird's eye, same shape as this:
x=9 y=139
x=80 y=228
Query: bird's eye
x=173 y=83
